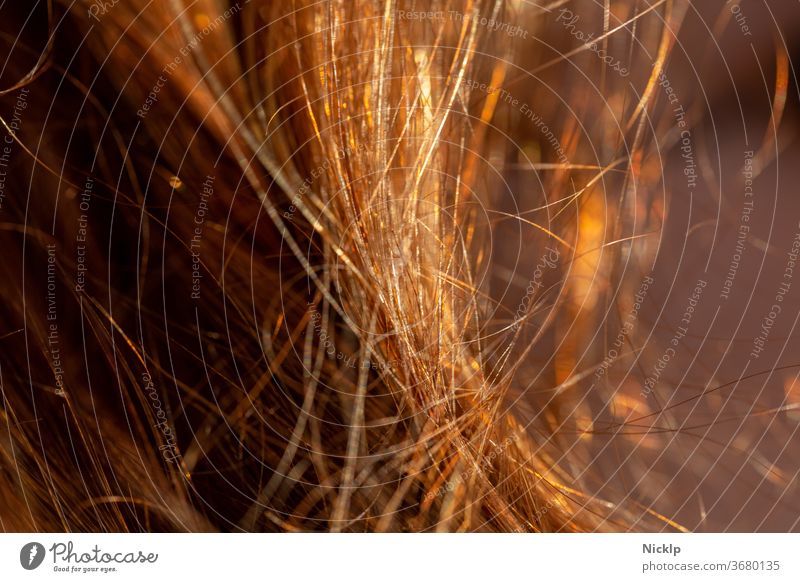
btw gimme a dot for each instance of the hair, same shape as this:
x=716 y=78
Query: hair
x=329 y=265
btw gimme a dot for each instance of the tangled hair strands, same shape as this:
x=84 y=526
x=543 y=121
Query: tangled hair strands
x=283 y=286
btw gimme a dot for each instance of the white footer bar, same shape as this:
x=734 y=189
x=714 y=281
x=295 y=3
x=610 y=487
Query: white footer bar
x=400 y=557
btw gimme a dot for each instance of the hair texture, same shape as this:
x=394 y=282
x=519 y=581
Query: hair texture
x=331 y=265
